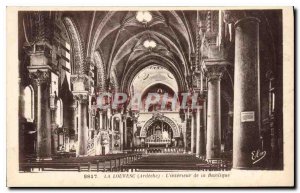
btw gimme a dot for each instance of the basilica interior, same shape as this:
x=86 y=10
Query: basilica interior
x=231 y=59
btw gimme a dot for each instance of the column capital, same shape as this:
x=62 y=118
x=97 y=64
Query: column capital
x=101 y=111
x=232 y=16
x=237 y=17
x=245 y=20
x=203 y=94
x=81 y=97
x=39 y=75
x=199 y=108
x=80 y=82
x=214 y=68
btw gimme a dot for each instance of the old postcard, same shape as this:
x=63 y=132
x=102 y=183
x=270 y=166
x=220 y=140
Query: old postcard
x=150 y=96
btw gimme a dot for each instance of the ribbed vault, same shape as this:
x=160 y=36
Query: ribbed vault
x=115 y=39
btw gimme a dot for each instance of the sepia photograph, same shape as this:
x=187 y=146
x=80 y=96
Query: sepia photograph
x=108 y=96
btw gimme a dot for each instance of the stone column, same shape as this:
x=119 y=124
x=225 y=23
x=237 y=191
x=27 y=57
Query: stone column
x=100 y=120
x=81 y=86
x=53 y=109
x=228 y=144
x=92 y=125
x=104 y=126
x=67 y=139
x=41 y=62
x=74 y=122
x=184 y=134
x=246 y=126
x=82 y=123
x=205 y=120
x=192 y=133
x=121 y=133
x=133 y=133
x=125 y=132
x=42 y=80
x=113 y=126
x=73 y=109
x=110 y=128
x=22 y=120
x=214 y=69
x=198 y=127
x=202 y=142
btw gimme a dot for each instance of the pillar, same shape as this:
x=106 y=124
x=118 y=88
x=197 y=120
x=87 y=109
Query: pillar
x=113 y=126
x=246 y=123
x=100 y=120
x=42 y=81
x=82 y=124
x=121 y=133
x=192 y=133
x=133 y=133
x=204 y=125
x=184 y=134
x=74 y=124
x=22 y=120
x=40 y=68
x=202 y=143
x=198 y=122
x=228 y=144
x=67 y=139
x=109 y=126
x=104 y=124
x=125 y=133
x=213 y=70
x=53 y=109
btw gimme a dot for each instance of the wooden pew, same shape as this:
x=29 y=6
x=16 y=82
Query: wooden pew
x=215 y=165
x=164 y=162
x=158 y=167
x=54 y=165
x=79 y=162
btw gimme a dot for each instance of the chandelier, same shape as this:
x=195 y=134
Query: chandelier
x=149 y=44
x=144 y=16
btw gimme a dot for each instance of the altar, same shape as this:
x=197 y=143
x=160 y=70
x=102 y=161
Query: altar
x=159 y=134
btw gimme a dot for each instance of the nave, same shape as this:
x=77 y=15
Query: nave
x=214 y=78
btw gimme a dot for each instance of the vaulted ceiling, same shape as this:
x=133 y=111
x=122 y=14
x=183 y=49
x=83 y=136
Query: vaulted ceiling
x=120 y=44
x=119 y=38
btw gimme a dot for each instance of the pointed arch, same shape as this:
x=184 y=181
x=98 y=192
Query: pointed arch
x=148 y=60
x=101 y=77
x=99 y=30
x=114 y=81
x=170 y=122
x=186 y=33
x=76 y=46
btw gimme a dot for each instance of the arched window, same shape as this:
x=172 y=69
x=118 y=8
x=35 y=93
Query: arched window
x=29 y=103
x=59 y=113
